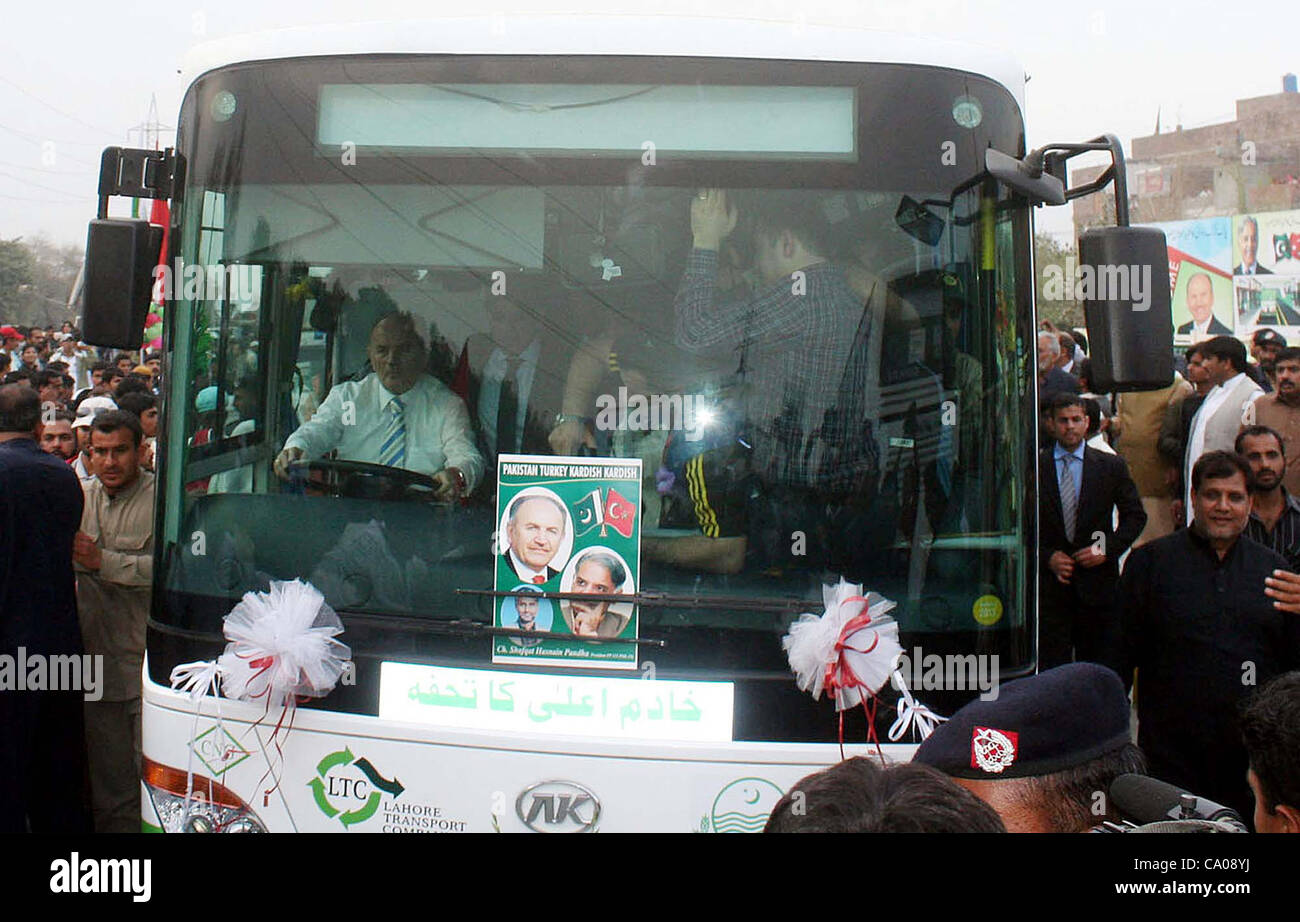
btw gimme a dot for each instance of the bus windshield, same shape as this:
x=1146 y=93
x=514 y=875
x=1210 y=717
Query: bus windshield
x=786 y=287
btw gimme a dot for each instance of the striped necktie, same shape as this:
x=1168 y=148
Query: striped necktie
x=393 y=452
x=1069 y=499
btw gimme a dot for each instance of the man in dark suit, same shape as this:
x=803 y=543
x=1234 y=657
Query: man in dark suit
x=42 y=746
x=512 y=377
x=1078 y=488
x=1248 y=238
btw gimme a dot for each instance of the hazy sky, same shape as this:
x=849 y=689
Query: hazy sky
x=77 y=75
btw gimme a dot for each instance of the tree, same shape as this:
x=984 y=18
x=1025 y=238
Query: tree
x=36 y=277
x=15 y=280
x=55 y=270
x=1056 y=260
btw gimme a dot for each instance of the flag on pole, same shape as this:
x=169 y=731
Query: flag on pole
x=159 y=214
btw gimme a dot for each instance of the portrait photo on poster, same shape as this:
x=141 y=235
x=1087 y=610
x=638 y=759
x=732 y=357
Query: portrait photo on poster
x=602 y=571
x=1266 y=243
x=527 y=611
x=536 y=535
x=1201 y=301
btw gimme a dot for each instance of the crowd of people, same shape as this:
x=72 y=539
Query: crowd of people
x=1168 y=546
x=77 y=451
x=1169 y=616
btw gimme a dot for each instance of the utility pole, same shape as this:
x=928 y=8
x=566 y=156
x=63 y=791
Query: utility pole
x=149 y=132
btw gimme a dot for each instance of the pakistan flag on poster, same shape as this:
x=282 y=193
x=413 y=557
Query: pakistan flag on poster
x=567 y=525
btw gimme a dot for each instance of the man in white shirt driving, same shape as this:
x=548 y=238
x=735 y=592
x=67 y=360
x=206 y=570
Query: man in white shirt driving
x=397 y=416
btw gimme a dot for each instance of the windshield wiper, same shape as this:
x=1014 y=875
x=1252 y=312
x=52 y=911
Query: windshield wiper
x=468 y=627
x=665 y=600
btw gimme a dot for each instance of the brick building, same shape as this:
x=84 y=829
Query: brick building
x=1246 y=165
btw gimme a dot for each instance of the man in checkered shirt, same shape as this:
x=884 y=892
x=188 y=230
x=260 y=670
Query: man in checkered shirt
x=805 y=338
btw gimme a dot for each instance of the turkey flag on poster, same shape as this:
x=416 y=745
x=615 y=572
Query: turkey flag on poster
x=619 y=513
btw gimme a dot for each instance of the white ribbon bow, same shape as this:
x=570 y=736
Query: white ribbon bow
x=912 y=714
x=197 y=679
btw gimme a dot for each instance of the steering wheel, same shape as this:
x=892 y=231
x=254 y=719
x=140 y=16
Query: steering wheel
x=363 y=480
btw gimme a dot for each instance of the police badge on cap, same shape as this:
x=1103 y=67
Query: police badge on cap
x=993 y=750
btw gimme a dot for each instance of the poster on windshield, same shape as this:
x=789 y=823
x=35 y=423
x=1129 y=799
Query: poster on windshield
x=568 y=525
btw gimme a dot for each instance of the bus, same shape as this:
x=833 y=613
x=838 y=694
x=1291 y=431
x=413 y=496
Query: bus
x=541 y=183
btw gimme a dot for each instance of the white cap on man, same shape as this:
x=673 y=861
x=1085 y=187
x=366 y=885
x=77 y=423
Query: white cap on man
x=90 y=408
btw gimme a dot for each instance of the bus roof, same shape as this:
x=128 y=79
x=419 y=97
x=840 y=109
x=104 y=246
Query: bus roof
x=576 y=34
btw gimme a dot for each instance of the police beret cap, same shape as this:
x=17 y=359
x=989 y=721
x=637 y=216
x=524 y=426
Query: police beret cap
x=1038 y=725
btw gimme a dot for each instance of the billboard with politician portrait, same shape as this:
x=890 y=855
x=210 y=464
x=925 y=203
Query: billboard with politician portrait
x=1200 y=278
x=1266 y=243
x=1231 y=276
x=1266 y=272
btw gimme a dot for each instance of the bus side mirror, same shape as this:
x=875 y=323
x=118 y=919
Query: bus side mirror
x=120 y=257
x=1124 y=285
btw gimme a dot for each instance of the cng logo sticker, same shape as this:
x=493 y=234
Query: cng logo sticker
x=742 y=806
x=558 y=806
x=218 y=750
x=349 y=788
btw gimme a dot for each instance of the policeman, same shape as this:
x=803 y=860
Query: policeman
x=1043 y=752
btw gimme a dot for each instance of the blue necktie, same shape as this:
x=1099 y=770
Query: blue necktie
x=393 y=452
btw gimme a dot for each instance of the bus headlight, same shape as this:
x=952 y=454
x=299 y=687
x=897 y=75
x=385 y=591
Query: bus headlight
x=210 y=807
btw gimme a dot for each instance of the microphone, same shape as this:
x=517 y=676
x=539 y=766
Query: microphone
x=1149 y=800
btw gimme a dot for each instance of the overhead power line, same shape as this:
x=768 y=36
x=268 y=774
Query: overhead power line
x=35 y=185
x=38 y=169
x=56 y=109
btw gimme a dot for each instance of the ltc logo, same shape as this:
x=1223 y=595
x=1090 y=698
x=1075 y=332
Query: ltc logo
x=558 y=806
x=349 y=788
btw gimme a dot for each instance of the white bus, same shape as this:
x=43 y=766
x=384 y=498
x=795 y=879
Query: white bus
x=343 y=173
